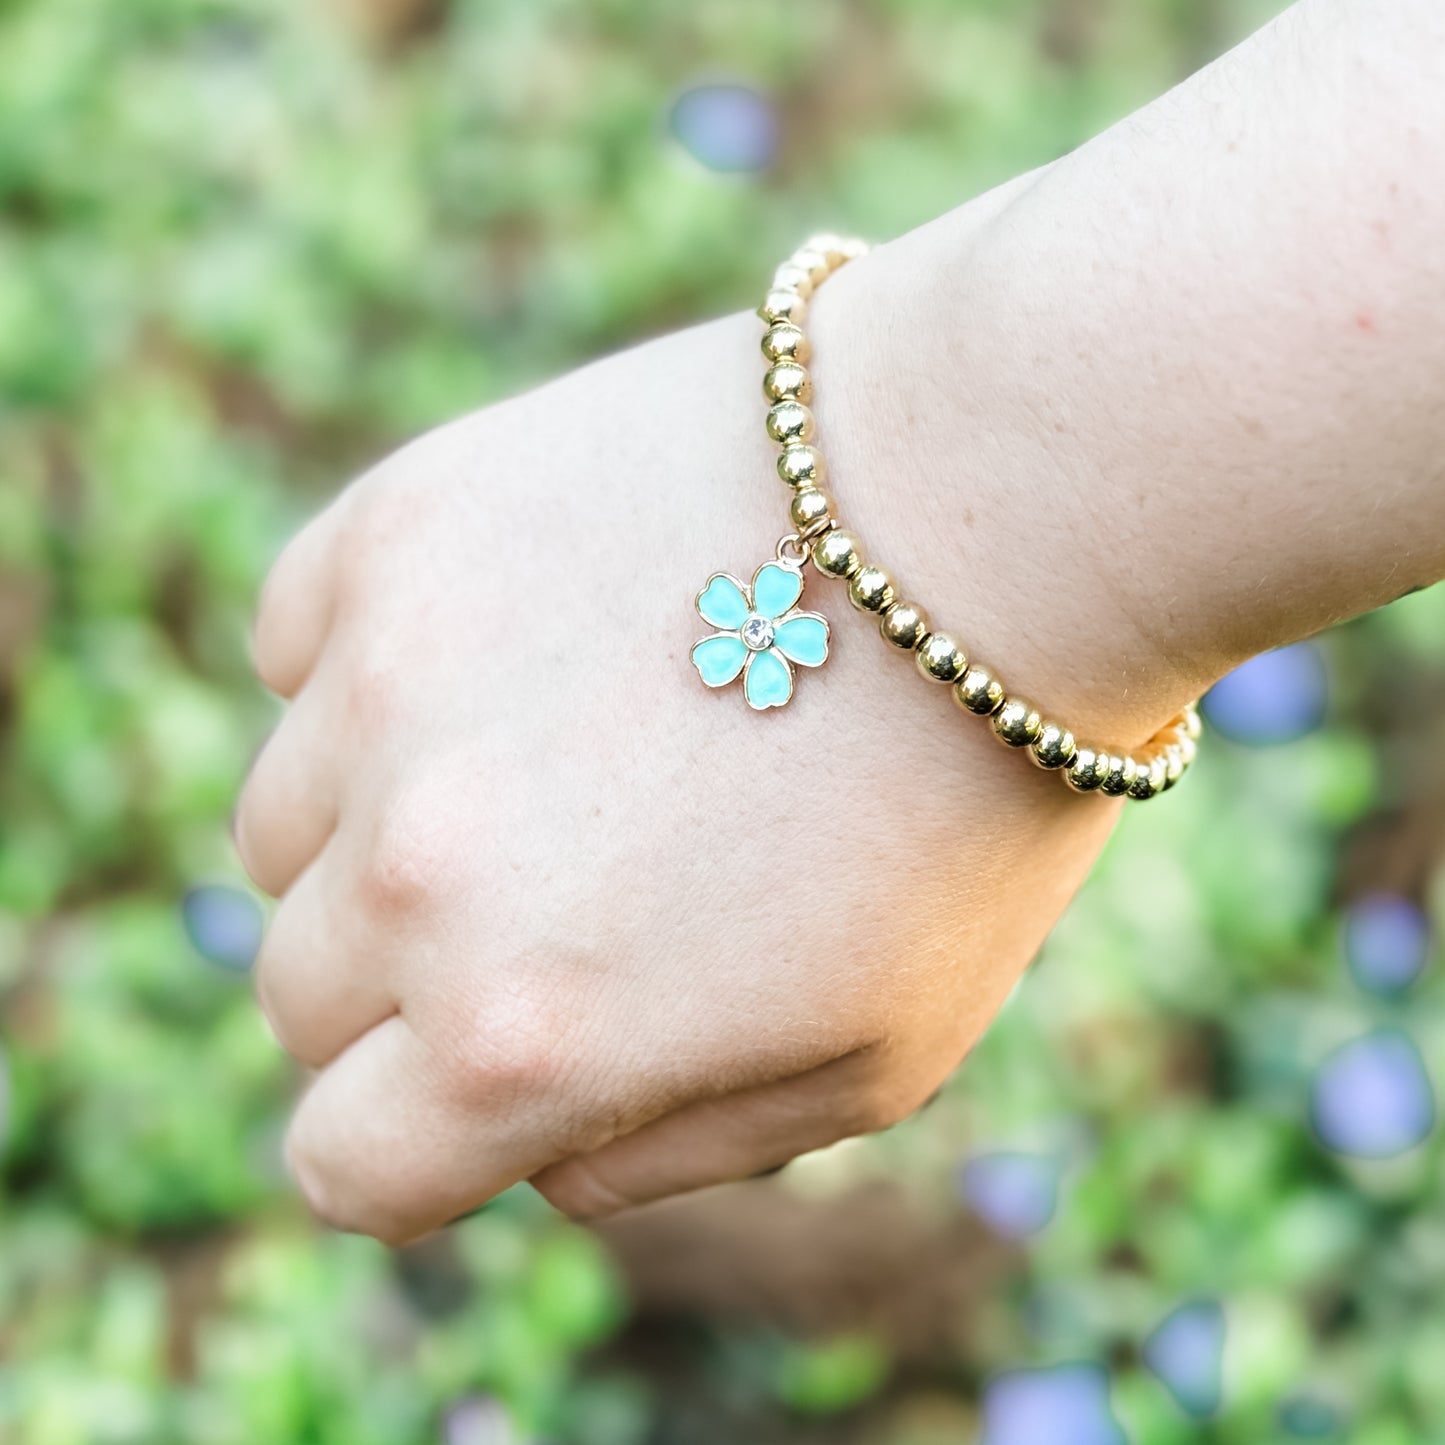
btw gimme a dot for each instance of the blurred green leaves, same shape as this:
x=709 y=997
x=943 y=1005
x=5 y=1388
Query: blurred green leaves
x=831 y=1375
x=242 y=253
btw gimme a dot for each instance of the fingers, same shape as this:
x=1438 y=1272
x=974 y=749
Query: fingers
x=288 y=806
x=298 y=602
x=718 y=1140
x=395 y=1140
x=321 y=977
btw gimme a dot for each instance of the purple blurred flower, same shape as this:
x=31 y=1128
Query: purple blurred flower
x=1186 y=1353
x=478 y=1420
x=725 y=127
x=1060 y=1405
x=1372 y=1098
x=1015 y=1194
x=1387 y=940
x=1273 y=698
x=224 y=924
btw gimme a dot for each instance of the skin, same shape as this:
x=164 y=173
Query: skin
x=552 y=910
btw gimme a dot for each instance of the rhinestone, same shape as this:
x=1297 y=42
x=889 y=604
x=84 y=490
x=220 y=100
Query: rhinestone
x=757 y=633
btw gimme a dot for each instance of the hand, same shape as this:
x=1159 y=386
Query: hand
x=553 y=910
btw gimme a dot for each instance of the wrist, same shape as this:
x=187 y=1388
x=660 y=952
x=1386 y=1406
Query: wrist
x=947 y=461
x=1173 y=400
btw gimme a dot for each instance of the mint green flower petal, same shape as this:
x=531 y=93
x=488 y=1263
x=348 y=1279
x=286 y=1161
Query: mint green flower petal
x=719 y=659
x=775 y=589
x=768 y=681
x=723 y=603
x=803 y=638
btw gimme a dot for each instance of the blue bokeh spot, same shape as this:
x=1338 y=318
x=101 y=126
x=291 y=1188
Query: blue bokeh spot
x=1371 y=1098
x=224 y=924
x=726 y=127
x=1387 y=941
x=1273 y=698
x=1015 y=1194
x=1059 y=1405
x=1186 y=1353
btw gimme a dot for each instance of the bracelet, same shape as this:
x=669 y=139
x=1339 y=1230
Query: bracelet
x=761 y=633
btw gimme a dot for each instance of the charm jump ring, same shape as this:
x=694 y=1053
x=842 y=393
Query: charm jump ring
x=792 y=550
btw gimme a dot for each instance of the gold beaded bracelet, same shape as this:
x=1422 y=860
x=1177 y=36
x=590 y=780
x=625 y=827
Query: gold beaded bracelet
x=761 y=634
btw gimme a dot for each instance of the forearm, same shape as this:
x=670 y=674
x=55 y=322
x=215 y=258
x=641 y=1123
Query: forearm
x=1178 y=397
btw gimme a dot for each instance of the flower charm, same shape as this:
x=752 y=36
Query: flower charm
x=759 y=634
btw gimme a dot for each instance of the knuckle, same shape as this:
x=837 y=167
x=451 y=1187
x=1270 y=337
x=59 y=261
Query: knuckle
x=396 y=880
x=410 y=864
x=511 y=1052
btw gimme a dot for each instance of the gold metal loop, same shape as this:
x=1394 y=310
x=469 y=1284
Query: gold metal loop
x=792 y=550
x=815 y=529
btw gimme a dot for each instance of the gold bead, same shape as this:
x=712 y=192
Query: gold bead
x=1171 y=732
x=1054 y=747
x=1018 y=722
x=782 y=305
x=787 y=381
x=905 y=625
x=979 y=691
x=1183 y=727
x=940 y=658
x=789 y=277
x=837 y=554
x=1172 y=736
x=801 y=466
x=1173 y=765
x=829 y=245
x=785 y=342
x=1141 y=788
x=871 y=590
x=1119 y=774
x=814 y=262
x=790 y=421
x=1150 y=778
x=809 y=507
x=1087 y=770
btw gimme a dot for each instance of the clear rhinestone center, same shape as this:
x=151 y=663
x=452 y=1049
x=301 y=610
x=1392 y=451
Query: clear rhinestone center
x=757 y=633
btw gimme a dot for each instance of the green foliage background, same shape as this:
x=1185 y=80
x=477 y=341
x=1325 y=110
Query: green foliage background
x=245 y=247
